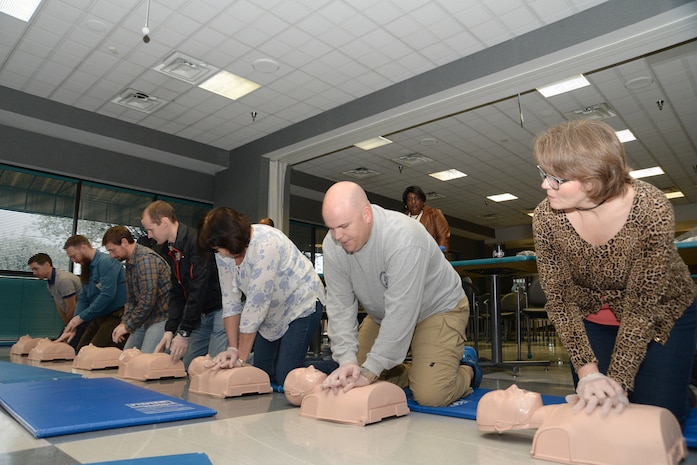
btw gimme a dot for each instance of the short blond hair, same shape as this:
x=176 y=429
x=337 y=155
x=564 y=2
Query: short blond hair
x=587 y=151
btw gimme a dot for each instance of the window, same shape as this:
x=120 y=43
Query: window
x=38 y=213
x=308 y=238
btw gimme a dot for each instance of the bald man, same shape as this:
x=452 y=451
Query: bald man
x=413 y=297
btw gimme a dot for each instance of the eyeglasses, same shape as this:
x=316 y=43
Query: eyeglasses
x=553 y=181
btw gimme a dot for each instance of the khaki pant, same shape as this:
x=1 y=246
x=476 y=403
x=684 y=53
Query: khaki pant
x=434 y=375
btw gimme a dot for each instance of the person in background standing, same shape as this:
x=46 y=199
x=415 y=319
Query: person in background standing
x=433 y=219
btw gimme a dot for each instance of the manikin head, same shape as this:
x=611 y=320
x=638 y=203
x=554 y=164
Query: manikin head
x=301 y=382
x=512 y=408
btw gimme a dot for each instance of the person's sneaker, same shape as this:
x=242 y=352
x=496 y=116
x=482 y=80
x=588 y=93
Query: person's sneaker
x=470 y=359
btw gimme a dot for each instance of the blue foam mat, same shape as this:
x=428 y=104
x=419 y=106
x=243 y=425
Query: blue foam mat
x=467 y=408
x=180 y=459
x=18 y=373
x=67 y=406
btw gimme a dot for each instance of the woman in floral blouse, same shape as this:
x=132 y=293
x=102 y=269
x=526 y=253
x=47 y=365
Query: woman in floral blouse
x=272 y=296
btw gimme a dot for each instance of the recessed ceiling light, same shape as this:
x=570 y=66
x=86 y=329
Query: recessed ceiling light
x=625 y=135
x=96 y=25
x=448 y=175
x=638 y=83
x=229 y=85
x=20 y=9
x=265 y=65
x=566 y=85
x=673 y=194
x=502 y=197
x=646 y=172
x=426 y=141
x=373 y=143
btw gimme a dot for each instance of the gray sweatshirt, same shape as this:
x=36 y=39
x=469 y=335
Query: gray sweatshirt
x=400 y=276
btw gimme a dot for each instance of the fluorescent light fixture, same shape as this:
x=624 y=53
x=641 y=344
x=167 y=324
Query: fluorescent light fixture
x=229 y=85
x=448 y=175
x=625 y=135
x=566 y=85
x=674 y=195
x=502 y=197
x=646 y=172
x=20 y=9
x=373 y=143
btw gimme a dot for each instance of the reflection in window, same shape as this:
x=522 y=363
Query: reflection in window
x=308 y=238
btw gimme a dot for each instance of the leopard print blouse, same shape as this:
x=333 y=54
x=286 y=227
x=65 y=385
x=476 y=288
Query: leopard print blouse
x=638 y=273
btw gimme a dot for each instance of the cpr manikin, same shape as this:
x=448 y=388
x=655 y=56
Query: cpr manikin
x=359 y=406
x=25 y=344
x=641 y=434
x=47 y=350
x=134 y=364
x=91 y=357
x=226 y=382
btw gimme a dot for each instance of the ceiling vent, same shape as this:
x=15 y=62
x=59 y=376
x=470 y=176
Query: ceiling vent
x=597 y=112
x=361 y=173
x=412 y=159
x=136 y=100
x=490 y=216
x=185 y=68
x=434 y=195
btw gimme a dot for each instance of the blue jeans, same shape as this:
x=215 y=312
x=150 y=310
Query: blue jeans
x=664 y=375
x=277 y=358
x=146 y=340
x=208 y=338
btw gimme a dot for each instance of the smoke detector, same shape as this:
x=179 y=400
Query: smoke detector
x=137 y=100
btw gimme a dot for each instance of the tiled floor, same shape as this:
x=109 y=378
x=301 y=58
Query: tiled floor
x=266 y=429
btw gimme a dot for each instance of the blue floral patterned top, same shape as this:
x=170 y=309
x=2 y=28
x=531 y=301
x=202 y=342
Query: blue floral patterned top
x=278 y=282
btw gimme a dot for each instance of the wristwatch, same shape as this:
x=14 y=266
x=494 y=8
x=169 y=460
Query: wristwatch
x=184 y=333
x=368 y=374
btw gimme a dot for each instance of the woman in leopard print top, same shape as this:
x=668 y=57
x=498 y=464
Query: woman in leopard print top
x=617 y=290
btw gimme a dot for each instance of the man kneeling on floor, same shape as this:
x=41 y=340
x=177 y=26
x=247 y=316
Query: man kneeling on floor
x=412 y=295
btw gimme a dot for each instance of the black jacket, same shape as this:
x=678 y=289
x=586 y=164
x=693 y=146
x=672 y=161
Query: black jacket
x=195 y=285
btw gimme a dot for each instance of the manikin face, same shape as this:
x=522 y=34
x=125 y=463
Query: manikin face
x=508 y=407
x=117 y=251
x=41 y=271
x=351 y=228
x=158 y=232
x=414 y=204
